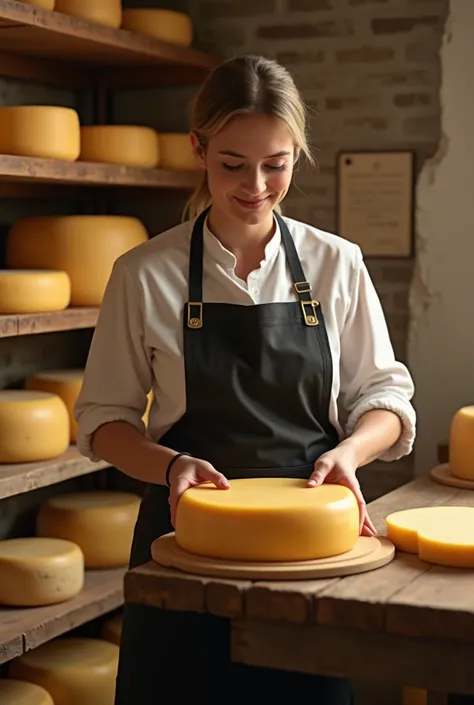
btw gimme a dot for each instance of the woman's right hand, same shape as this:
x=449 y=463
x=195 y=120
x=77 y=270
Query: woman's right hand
x=188 y=472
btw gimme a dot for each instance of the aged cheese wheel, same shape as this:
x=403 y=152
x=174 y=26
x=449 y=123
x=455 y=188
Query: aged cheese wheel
x=14 y=692
x=34 y=426
x=112 y=629
x=33 y=291
x=39 y=571
x=461 y=444
x=75 y=671
x=100 y=522
x=176 y=152
x=46 y=4
x=166 y=25
x=104 y=12
x=120 y=144
x=44 y=131
x=276 y=519
x=66 y=384
x=84 y=246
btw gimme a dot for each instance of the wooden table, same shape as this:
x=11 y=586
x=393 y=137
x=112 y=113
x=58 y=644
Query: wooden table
x=408 y=623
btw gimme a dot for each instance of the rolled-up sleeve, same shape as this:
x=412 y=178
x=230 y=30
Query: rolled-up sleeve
x=118 y=371
x=371 y=377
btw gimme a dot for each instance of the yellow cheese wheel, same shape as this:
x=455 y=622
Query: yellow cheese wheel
x=167 y=25
x=276 y=519
x=84 y=246
x=120 y=144
x=66 y=384
x=75 y=671
x=112 y=629
x=176 y=152
x=33 y=291
x=461 y=444
x=14 y=692
x=46 y=4
x=100 y=522
x=44 y=131
x=34 y=426
x=104 y=12
x=39 y=571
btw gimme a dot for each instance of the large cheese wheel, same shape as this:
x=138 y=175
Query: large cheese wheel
x=461 y=444
x=276 y=519
x=30 y=291
x=176 y=152
x=120 y=144
x=104 y=12
x=40 y=131
x=84 y=246
x=34 y=426
x=14 y=692
x=39 y=571
x=46 y=4
x=167 y=25
x=112 y=629
x=66 y=384
x=75 y=671
x=100 y=522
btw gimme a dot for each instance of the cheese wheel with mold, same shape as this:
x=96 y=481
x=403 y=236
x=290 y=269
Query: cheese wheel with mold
x=43 y=131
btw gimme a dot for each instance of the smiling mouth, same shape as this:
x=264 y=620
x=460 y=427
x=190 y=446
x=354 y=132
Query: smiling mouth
x=255 y=203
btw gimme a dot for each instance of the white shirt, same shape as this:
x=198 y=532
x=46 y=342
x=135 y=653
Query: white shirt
x=138 y=341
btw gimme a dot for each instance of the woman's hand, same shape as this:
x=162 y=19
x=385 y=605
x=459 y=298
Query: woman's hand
x=188 y=472
x=338 y=467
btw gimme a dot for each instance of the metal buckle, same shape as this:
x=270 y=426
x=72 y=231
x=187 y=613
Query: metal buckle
x=195 y=321
x=310 y=319
x=302 y=287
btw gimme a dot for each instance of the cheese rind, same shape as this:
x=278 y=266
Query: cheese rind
x=75 y=671
x=176 y=153
x=33 y=291
x=37 y=571
x=167 y=25
x=274 y=519
x=129 y=145
x=112 y=629
x=461 y=444
x=34 y=426
x=100 y=522
x=103 y=12
x=66 y=384
x=44 y=131
x=13 y=692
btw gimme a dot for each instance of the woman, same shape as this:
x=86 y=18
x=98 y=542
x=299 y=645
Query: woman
x=254 y=332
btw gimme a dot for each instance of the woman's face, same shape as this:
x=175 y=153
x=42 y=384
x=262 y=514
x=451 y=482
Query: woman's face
x=249 y=166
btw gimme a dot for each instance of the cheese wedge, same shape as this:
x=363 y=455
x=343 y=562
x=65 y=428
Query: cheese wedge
x=45 y=131
x=461 y=444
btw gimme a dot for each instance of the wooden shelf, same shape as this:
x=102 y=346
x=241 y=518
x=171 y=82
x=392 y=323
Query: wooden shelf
x=24 y=629
x=59 y=49
x=25 y=477
x=34 y=323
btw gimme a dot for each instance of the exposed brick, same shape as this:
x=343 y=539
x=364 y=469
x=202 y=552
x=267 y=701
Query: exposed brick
x=411 y=100
x=373 y=123
x=401 y=78
x=347 y=102
x=422 y=125
x=364 y=55
x=422 y=52
x=398 y=25
x=226 y=37
x=300 y=57
x=309 y=5
x=307 y=30
x=398 y=274
x=217 y=9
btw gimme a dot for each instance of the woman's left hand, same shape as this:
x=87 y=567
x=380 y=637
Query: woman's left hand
x=338 y=467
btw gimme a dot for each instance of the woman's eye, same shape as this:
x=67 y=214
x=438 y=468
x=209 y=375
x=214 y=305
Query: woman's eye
x=281 y=167
x=232 y=167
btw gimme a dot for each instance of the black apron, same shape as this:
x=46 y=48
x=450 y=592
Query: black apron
x=258 y=385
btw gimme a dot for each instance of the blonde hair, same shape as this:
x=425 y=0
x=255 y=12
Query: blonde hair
x=238 y=86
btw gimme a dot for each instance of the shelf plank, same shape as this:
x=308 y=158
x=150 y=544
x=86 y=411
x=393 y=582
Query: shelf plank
x=24 y=629
x=24 y=477
x=34 y=323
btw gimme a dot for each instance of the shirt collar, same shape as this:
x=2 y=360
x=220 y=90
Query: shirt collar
x=224 y=257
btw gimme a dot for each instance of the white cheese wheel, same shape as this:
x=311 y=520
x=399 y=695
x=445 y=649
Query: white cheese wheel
x=38 y=571
x=84 y=246
x=34 y=426
x=43 y=131
x=33 y=291
x=274 y=519
x=66 y=384
x=46 y=4
x=14 y=692
x=120 y=144
x=75 y=671
x=176 y=152
x=461 y=444
x=104 y=12
x=112 y=629
x=167 y=25
x=100 y=522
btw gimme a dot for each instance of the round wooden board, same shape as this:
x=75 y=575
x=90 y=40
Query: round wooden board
x=368 y=554
x=442 y=474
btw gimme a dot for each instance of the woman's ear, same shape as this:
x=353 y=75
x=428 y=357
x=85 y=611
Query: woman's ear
x=198 y=150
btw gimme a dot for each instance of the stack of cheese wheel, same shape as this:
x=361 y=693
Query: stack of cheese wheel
x=46 y=4
x=104 y=12
x=34 y=426
x=176 y=152
x=112 y=629
x=66 y=384
x=84 y=246
x=129 y=145
x=44 y=131
x=461 y=444
x=13 y=692
x=167 y=25
x=74 y=671
x=101 y=523
x=39 y=571
x=33 y=291
x=274 y=519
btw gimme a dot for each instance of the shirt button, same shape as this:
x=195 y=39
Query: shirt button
x=255 y=291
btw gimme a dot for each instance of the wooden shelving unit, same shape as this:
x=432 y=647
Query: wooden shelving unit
x=34 y=323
